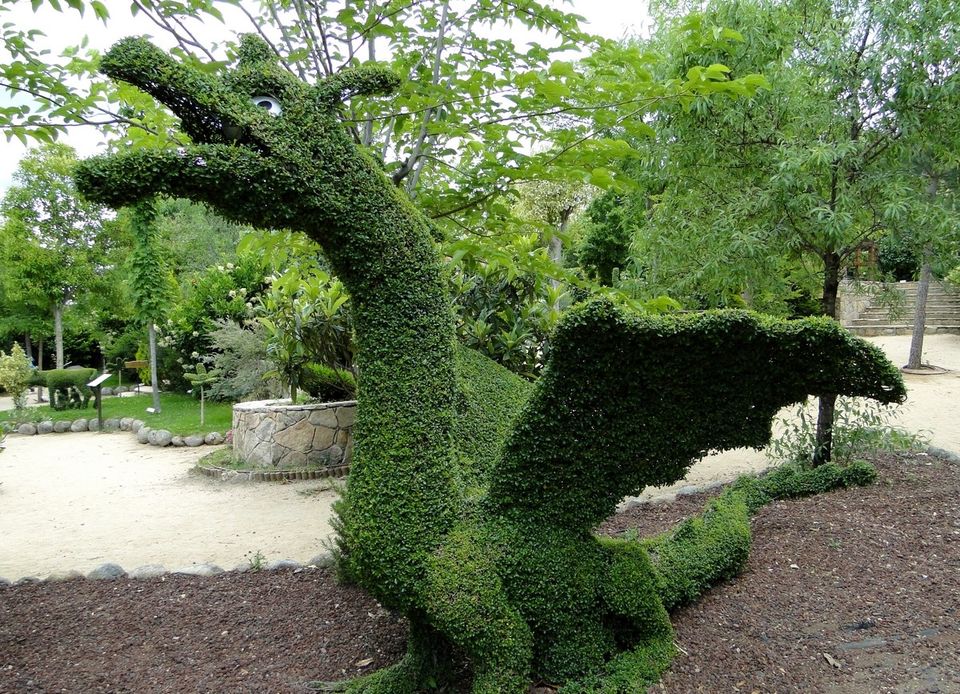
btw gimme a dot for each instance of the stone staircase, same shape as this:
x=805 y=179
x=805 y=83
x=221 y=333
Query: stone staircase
x=890 y=311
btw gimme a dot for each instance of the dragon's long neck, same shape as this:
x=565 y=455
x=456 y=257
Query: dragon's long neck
x=401 y=498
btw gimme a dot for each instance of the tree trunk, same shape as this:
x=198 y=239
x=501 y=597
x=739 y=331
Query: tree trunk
x=555 y=244
x=201 y=405
x=920 y=313
x=831 y=284
x=923 y=288
x=28 y=348
x=154 y=382
x=828 y=402
x=823 y=449
x=40 y=368
x=58 y=333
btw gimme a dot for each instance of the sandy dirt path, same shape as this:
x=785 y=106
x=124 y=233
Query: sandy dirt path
x=74 y=501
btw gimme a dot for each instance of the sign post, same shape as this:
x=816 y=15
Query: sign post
x=97 y=386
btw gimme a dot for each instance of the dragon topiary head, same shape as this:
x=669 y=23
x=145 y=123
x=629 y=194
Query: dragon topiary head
x=268 y=149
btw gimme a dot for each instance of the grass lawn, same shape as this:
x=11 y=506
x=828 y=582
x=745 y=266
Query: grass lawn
x=179 y=414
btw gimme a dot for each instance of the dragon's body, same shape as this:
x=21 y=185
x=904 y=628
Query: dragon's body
x=511 y=577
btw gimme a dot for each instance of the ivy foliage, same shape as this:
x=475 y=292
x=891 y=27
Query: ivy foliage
x=150 y=279
x=704 y=379
x=486 y=547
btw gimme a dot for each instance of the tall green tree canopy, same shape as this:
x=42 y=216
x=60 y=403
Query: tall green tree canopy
x=810 y=169
x=474 y=114
x=56 y=247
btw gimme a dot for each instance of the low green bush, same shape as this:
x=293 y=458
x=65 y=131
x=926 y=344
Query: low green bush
x=954 y=277
x=702 y=552
x=860 y=427
x=327 y=383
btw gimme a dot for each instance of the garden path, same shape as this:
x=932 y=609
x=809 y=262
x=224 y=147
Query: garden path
x=74 y=501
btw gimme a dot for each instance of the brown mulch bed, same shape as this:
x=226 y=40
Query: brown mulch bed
x=850 y=592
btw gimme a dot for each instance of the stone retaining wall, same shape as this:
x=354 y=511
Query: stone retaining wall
x=275 y=435
x=854 y=296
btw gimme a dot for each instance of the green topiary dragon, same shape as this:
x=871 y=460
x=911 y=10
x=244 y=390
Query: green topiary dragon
x=469 y=517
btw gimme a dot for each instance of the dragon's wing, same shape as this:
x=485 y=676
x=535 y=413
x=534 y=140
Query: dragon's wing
x=628 y=401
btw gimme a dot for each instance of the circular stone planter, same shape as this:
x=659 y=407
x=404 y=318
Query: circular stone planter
x=273 y=435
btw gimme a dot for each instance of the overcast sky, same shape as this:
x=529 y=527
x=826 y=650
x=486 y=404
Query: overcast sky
x=611 y=18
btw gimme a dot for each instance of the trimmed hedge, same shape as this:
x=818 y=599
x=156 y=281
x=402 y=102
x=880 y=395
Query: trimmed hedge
x=488 y=548
x=68 y=387
x=489 y=397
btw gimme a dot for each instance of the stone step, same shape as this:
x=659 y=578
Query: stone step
x=954 y=320
x=876 y=330
x=930 y=297
x=904 y=315
x=932 y=291
x=945 y=299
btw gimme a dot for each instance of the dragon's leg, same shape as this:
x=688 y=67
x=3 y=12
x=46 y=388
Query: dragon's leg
x=639 y=620
x=466 y=601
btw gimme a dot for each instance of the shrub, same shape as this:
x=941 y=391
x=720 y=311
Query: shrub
x=513 y=580
x=15 y=375
x=221 y=292
x=489 y=397
x=120 y=347
x=507 y=302
x=954 y=277
x=306 y=321
x=328 y=384
x=606 y=245
x=702 y=552
x=240 y=354
x=860 y=427
x=68 y=387
x=897 y=256
x=713 y=546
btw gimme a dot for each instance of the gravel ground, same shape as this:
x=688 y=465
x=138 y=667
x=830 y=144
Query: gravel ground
x=849 y=592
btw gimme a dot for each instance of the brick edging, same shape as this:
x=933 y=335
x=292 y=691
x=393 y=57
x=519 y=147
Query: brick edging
x=229 y=474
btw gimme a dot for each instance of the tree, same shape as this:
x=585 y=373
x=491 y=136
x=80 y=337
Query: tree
x=57 y=240
x=194 y=237
x=149 y=282
x=201 y=378
x=928 y=106
x=21 y=316
x=605 y=248
x=305 y=323
x=468 y=510
x=457 y=134
x=804 y=170
x=15 y=375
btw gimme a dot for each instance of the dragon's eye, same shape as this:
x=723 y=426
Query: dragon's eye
x=268 y=104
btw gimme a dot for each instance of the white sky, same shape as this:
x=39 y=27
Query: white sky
x=611 y=18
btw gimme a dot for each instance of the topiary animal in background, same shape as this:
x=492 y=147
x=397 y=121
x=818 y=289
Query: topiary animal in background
x=68 y=387
x=472 y=520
